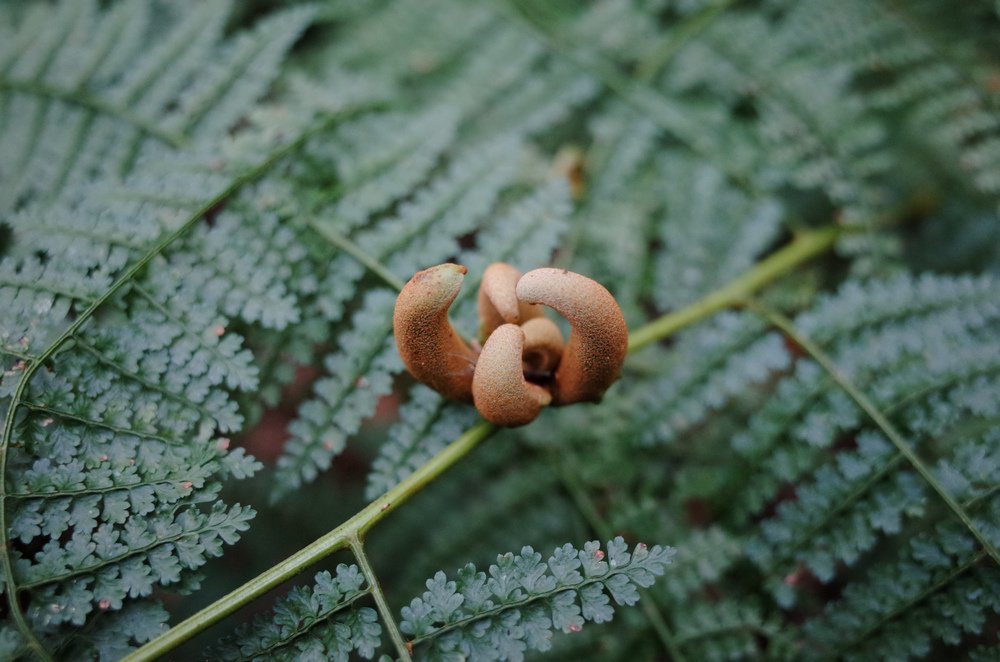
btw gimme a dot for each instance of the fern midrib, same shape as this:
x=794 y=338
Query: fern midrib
x=132 y=552
x=845 y=163
x=819 y=389
x=152 y=386
x=355 y=251
x=789 y=551
x=130 y=273
x=359 y=371
x=880 y=420
x=720 y=630
x=90 y=491
x=912 y=602
x=319 y=619
x=860 y=490
x=659 y=55
x=569 y=476
x=381 y=604
x=83 y=420
x=531 y=598
x=97 y=106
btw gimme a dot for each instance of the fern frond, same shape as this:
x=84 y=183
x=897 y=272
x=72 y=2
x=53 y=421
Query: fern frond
x=707 y=554
x=818 y=133
x=358 y=375
x=112 y=457
x=497 y=502
x=842 y=511
x=713 y=365
x=427 y=424
x=623 y=186
x=86 y=94
x=711 y=232
x=909 y=57
x=934 y=590
x=319 y=621
x=418 y=51
x=901 y=355
x=388 y=156
x=516 y=605
x=453 y=204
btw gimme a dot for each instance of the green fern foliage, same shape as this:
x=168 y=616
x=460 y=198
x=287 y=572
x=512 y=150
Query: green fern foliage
x=515 y=606
x=89 y=82
x=114 y=422
x=207 y=210
x=311 y=622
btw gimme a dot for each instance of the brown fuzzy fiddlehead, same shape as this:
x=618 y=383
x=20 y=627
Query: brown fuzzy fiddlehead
x=597 y=346
x=524 y=364
x=497 y=301
x=500 y=391
x=427 y=343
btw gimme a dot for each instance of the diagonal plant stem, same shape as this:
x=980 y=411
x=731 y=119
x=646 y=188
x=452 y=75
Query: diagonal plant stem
x=787 y=327
x=357 y=547
x=337 y=539
x=803 y=248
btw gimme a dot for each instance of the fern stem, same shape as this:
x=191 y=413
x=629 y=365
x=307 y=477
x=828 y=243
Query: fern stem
x=98 y=106
x=352 y=249
x=337 y=539
x=888 y=429
x=380 y=602
x=803 y=248
x=600 y=526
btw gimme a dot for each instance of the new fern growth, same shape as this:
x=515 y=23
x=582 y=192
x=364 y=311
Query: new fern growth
x=207 y=212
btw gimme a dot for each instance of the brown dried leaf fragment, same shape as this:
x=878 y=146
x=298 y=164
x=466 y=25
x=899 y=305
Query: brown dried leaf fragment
x=497 y=300
x=430 y=348
x=597 y=346
x=501 y=394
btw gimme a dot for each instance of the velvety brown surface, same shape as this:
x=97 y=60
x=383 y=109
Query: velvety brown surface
x=431 y=350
